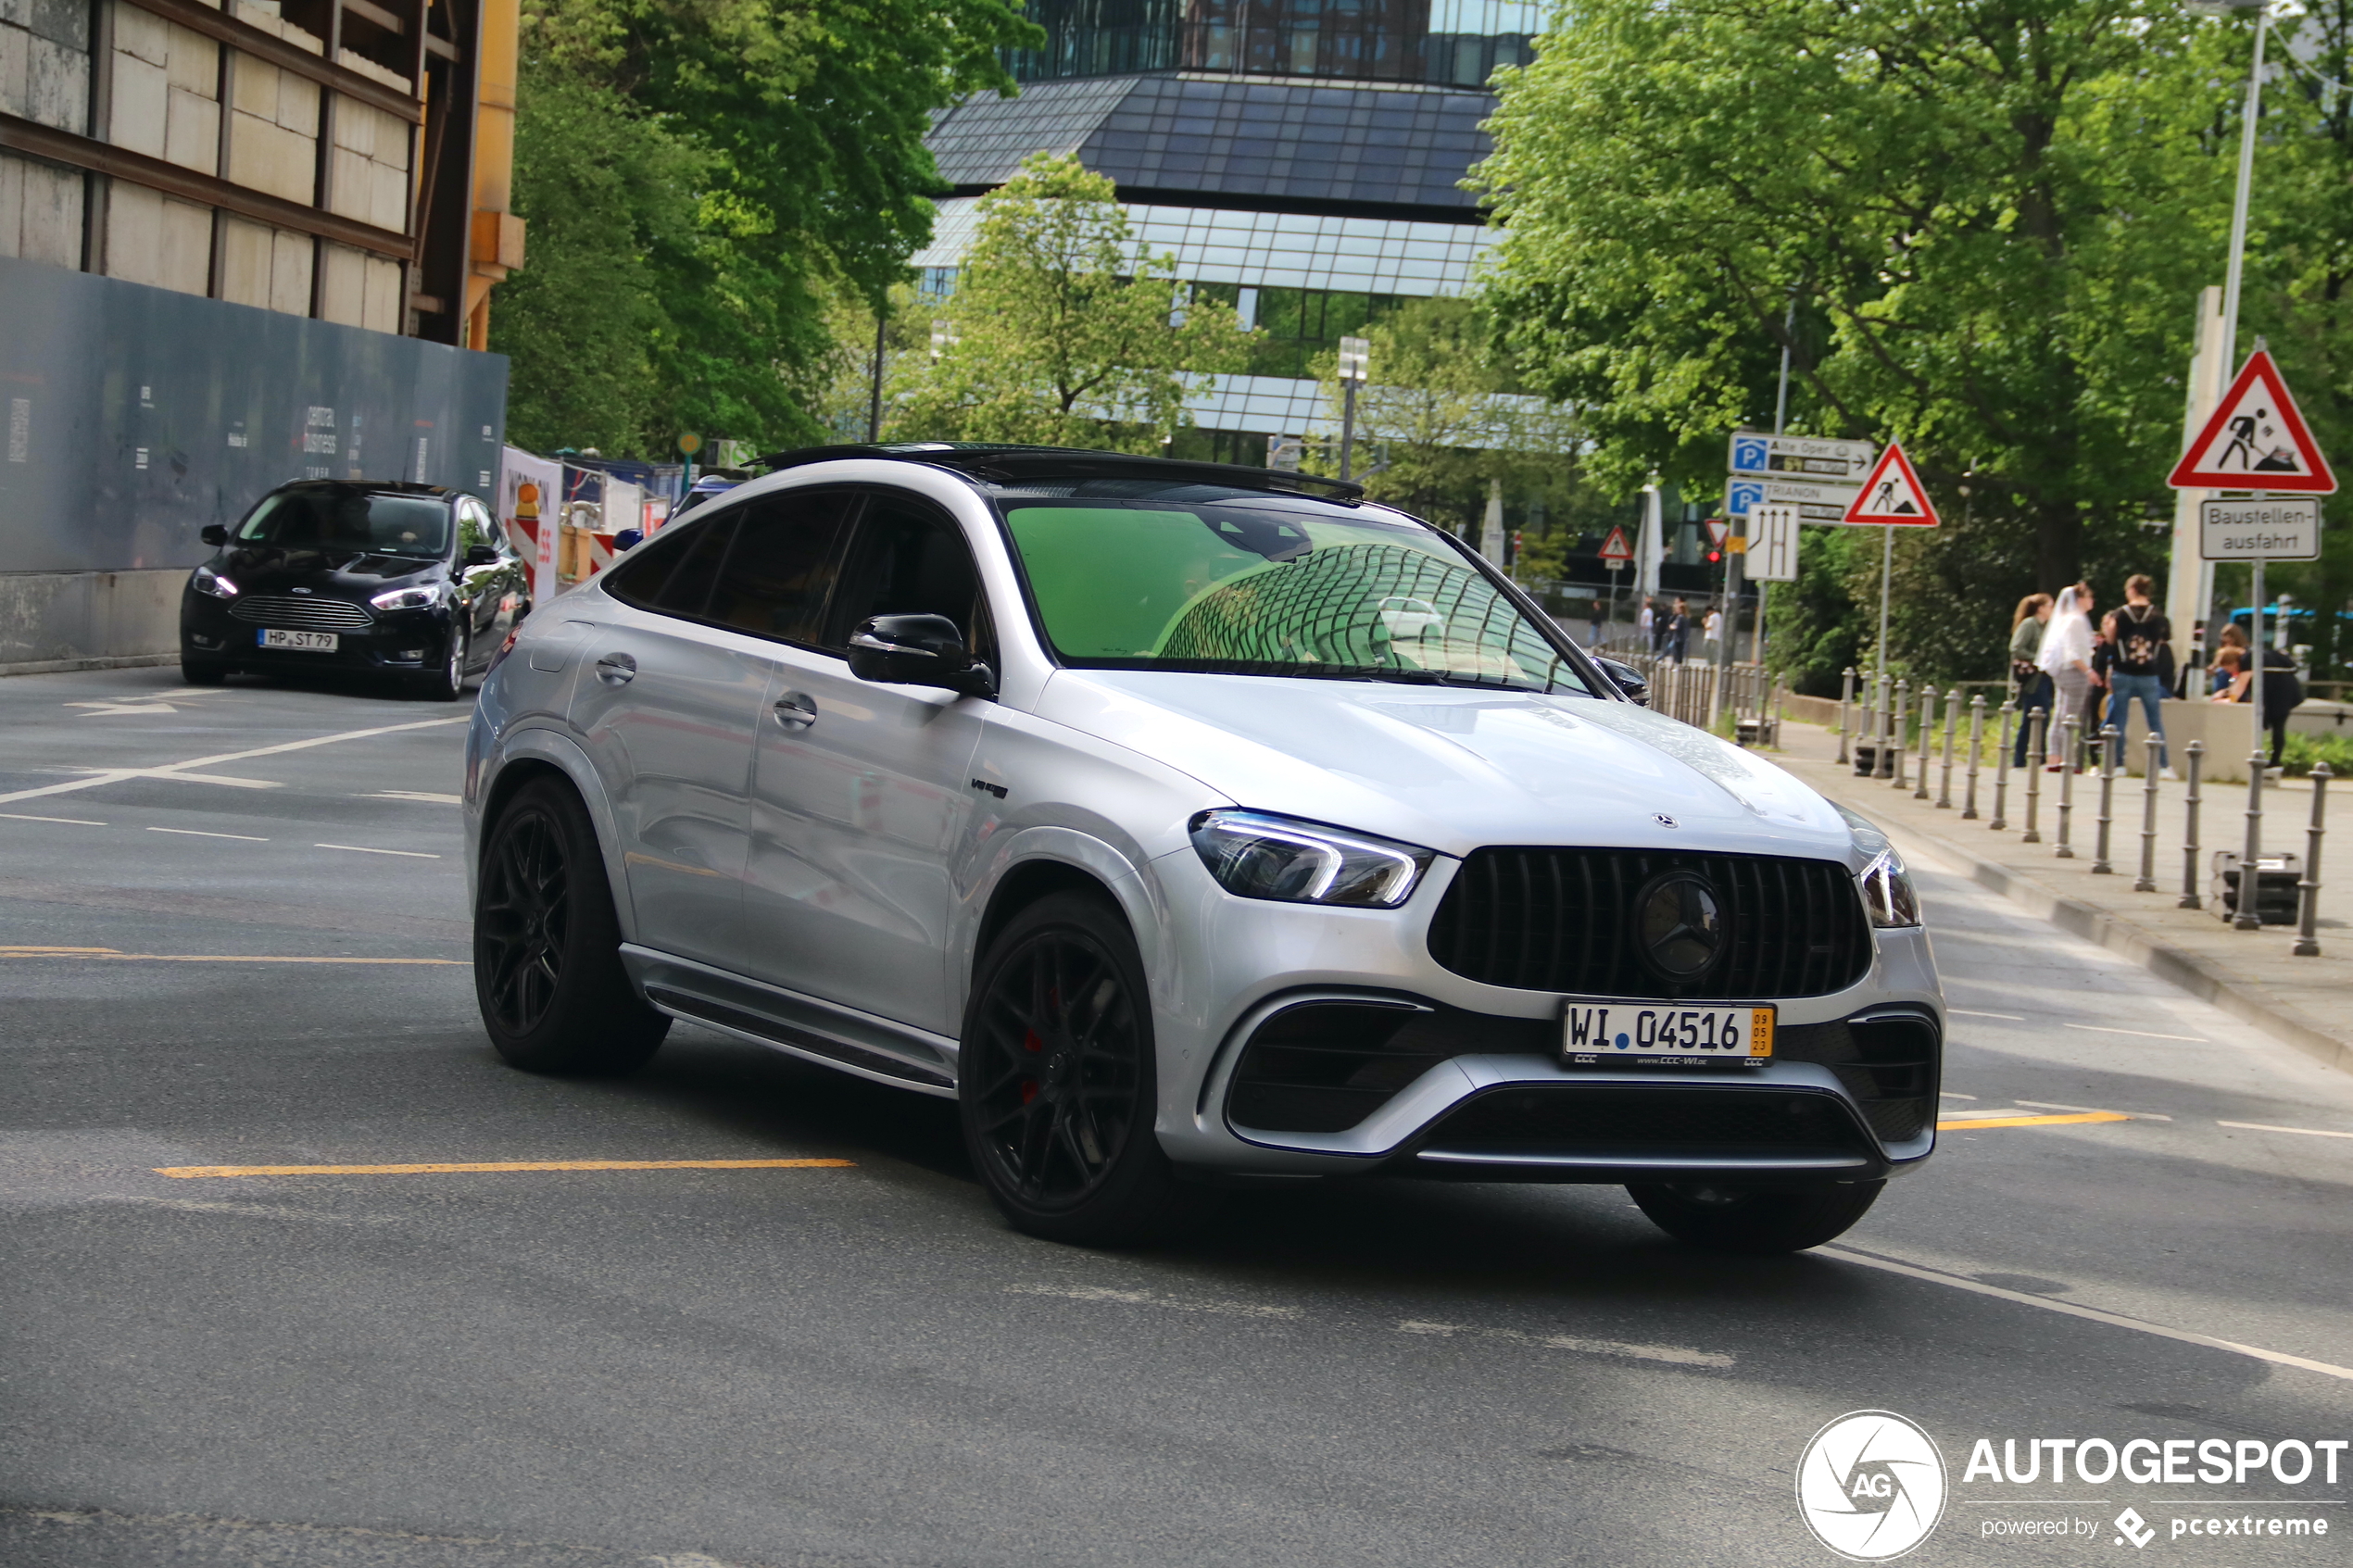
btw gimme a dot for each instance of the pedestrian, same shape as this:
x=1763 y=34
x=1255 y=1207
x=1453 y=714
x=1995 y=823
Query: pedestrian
x=2282 y=693
x=2141 y=666
x=2033 y=687
x=2225 y=670
x=2066 y=657
x=1646 y=626
x=1593 y=631
x=1678 y=631
x=1712 y=629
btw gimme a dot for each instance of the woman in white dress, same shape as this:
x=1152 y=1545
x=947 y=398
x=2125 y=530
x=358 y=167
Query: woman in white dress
x=2066 y=657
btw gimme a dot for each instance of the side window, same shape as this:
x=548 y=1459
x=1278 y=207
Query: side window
x=787 y=558
x=673 y=573
x=907 y=559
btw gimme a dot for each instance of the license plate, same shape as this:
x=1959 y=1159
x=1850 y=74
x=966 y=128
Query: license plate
x=1596 y=1031
x=299 y=642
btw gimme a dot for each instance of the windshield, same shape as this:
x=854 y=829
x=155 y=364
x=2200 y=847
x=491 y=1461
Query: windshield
x=335 y=516
x=1243 y=583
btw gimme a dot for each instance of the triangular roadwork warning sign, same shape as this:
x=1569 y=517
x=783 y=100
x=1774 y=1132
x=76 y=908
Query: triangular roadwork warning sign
x=1892 y=494
x=1615 y=547
x=2257 y=439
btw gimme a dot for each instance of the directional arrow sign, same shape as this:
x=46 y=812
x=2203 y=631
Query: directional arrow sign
x=2257 y=439
x=1772 y=545
x=1892 y=494
x=1815 y=501
x=1615 y=549
x=1798 y=457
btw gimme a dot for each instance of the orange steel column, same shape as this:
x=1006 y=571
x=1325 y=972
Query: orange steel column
x=496 y=239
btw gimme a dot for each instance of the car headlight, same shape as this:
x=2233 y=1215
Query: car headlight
x=211 y=584
x=408 y=599
x=1887 y=886
x=1257 y=855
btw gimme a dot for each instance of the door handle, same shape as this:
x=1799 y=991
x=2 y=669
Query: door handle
x=615 y=669
x=795 y=710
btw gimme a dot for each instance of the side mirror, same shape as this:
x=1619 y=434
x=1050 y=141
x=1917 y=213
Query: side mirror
x=1636 y=689
x=917 y=650
x=214 y=535
x=482 y=555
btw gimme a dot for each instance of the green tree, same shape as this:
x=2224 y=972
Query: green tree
x=1441 y=419
x=1058 y=333
x=777 y=155
x=1992 y=219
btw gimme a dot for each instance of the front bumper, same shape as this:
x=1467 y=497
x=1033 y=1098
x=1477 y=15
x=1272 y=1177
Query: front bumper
x=210 y=630
x=1849 y=1097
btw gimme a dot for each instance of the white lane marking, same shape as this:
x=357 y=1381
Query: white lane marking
x=2069 y=1309
x=1961 y=1115
x=2135 y=1115
x=363 y=849
x=2138 y=1034
x=77 y=822
x=426 y=795
x=1153 y=1298
x=2307 y=1132
x=1951 y=1094
x=1674 y=1355
x=230 y=781
x=1964 y=1012
x=199 y=833
x=180 y=769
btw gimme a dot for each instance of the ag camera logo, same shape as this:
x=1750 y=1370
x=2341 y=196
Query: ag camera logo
x=1870 y=1485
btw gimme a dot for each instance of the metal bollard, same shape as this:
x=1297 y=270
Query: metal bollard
x=2189 y=896
x=1899 y=748
x=2248 y=912
x=2147 y=881
x=1976 y=744
x=2110 y=739
x=1928 y=738
x=1845 y=699
x=1781 y=713
x=2070 y=732
x=2308 y=913
x=2002 y=765
x=2038 y=747
x=1945 y=777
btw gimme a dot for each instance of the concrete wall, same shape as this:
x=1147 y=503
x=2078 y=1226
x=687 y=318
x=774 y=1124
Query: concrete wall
x=45 y=75
x=131 y=416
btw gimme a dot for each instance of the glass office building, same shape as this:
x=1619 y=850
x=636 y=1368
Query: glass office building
x=1302 y=158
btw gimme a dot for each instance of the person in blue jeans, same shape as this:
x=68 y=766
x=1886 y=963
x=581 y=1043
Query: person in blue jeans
x=2033 y=687
x=2141 y=637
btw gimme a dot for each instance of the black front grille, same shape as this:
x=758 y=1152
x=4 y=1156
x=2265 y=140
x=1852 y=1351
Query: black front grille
x=1561 y=919
x=301 y=614
x=1599 y=1122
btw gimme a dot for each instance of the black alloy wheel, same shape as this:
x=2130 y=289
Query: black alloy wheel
x=1056 y=1077
x=547 y=971
x=1756 y=1220
x=448 y=682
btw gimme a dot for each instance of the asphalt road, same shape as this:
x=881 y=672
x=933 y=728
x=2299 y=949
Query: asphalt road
x=861 y=1364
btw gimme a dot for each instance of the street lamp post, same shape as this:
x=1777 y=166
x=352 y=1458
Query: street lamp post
x=1355 y=355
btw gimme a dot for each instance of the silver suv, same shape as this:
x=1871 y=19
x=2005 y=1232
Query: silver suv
x=1118 y=800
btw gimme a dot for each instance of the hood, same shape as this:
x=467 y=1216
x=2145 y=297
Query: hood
x=265 y=569
x=1452 y=768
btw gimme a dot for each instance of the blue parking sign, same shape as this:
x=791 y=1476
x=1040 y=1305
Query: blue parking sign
x=1744 y=495
x=1751 y=454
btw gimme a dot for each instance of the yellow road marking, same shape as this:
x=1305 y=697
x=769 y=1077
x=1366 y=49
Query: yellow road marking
x=1970 y=1123
x=186 y=1171
x=7 y=952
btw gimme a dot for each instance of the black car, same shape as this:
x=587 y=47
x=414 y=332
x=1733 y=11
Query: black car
x=410 y=580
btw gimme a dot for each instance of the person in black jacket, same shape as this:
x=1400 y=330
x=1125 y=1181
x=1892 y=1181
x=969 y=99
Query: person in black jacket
x=2283 y=693
x=2140 y=649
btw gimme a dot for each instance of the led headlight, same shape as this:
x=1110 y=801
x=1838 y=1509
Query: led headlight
x=1257 y=855
x=1887 y=886
x=211 y=584
x=408 y=599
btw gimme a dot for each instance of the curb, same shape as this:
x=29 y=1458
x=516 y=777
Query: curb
x=75 y=665
x=2206 y=979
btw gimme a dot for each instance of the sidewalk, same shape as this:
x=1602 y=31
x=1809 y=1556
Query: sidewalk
x=2250 y=974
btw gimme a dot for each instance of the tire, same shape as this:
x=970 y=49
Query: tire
x=448 y=682
x=1057 y=1098
x=1757 y=1219
x=547 y=971
x=202 y=672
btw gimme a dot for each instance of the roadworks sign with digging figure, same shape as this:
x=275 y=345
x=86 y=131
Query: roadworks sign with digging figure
x=1892 y=494
x=2256 y=440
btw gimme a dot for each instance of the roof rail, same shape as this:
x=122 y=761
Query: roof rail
x=995 y=461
